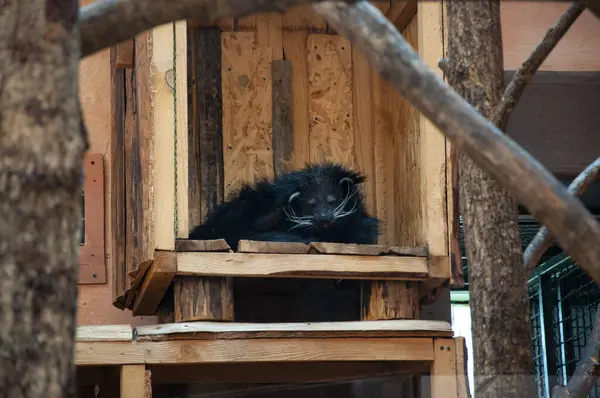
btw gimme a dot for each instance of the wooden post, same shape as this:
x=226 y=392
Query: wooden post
x=135 y=382
x=443 y=369
x=200 y=298
x=381 y=300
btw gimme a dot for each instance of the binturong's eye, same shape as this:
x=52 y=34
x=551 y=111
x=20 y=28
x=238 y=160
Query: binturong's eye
x=330 y=198
x=311 y=201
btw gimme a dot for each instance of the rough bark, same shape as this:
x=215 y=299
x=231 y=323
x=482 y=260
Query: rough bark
x=498 y=282
x=388 y=52
x=587 y=371
x=108 y=22
x=41 y=150
x=542 y=240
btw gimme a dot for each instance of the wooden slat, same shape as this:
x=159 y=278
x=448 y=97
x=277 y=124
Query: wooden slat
x=125 y=54
x=283 y=128
x=330 y=99
x=181 y=93
x=215 y=245
x=268 y=33
x=203 y=299
x=255 y=350
x=443 y=370
x=247 y=110
x=219 y=330
x=104 y=333
x=155 y=284
x=462 y=379
x=401 y=12
x=135 y=382
x=348 y=249
x=382 y=300
x=252 y=246
x=409 y=251
x=433 y=142
x=294 y=45
x=301 y=266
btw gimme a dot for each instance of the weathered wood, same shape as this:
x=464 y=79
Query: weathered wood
x=409 y=251
x=302 y=266
x=197 y=298
x=215 y=245
x=401 y=12
x=283 y=128
x=155 y=284
x=348 y=249
x=443 y=370
x=219 y=330
x=382 y=300
x=117 y=184
x=494 y=254
x=203 y=299
x=125 y=54
x=523 y=176
x=182 y=124
x=104 y=333
x=41 y=152
x=253 y=246
x=462 y=370
x=410 y=349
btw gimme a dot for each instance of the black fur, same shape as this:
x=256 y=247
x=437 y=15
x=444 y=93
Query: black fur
x=264 y=212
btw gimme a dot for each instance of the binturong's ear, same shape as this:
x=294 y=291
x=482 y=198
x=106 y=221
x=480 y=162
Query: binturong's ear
x=268 y=221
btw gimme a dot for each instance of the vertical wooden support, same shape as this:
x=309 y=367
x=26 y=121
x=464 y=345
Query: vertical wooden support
x=201 y=298
x=135 y=382
x=181 y=125
x=283 y=129
x=443 y=369
x=462 y=381
x=383 y=300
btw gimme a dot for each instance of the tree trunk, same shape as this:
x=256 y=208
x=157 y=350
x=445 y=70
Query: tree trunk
x=498 y=280
x=41 y=149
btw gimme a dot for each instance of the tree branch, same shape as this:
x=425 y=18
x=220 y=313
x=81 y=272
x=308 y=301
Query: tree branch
x=542 y=240
x=525 y=73
x=587 y=371
x=390 y=54
x=109 y=22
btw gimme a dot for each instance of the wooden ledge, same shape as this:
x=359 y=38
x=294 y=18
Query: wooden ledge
x=106 y=333
x=229 y=331
x=301 y=266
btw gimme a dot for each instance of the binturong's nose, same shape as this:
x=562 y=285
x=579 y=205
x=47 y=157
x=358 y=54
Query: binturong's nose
x=323 y=219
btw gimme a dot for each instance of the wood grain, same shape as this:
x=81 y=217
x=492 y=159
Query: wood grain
x=203 y=298
x=250 y=246
x=330 y=99
x=182 y=125
x=247 y=110
x=443 y=370
x=214 y=245
x=401 y=13
x=389 y=300
x=125 y=54
x=348 y=249
x=133 y=382
x=283 y=128
x=294 y=45
x=218 y=330
x=254 y=350
x=155 y=283
x=301 y=266
x=462 y=378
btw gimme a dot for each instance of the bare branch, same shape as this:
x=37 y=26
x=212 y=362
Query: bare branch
x=109 y=22
x=390 y=54
x=542 y=240
x=525 y=73
x=587 y=371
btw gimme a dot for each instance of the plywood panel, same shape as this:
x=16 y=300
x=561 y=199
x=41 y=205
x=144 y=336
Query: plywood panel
x=330 y=99
x=247 y=107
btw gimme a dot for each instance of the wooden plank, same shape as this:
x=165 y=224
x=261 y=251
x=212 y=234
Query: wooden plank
x=294 y=45
x=135 y=382
x=219 y=330
x=409 y=251
x=181 y=110
x=104 y=333
x=283 y=129
x=253 y=246
x=203 y=299
x=401 y=13
x=162 y=126
x=268 y=33
x=462 y=380
x=301 y=266
x=443 y=370
x=348 y=249
x=381 y=300
x=362 y=99
x=117 y=184
x=214 y=245
x=254 y=350
x=247 y=110
x=155 y=284
x=330 y=99
x=433 y=142
x=125 y=54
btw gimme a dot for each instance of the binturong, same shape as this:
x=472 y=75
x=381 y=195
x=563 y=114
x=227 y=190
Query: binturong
x=319 y=203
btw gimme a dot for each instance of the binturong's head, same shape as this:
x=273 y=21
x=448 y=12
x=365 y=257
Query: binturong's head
x=322 y=196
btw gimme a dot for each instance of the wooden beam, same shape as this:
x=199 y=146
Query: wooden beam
x=254 y=350
x=104 y=333
x=155 y=284
x=219 y=330
x=443 y=370
x=302 y=266
x=401 y=13
x=135 y=382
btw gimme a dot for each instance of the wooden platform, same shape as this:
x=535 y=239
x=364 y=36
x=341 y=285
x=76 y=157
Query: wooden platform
x=212 y=352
